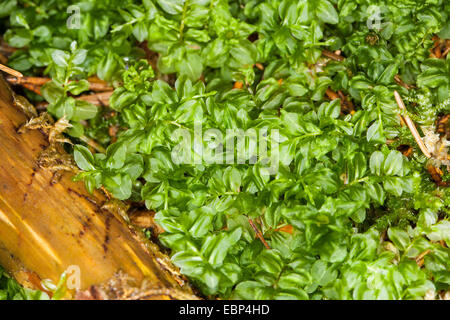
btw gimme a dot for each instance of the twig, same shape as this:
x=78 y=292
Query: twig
x=99 y=99
x=98 y=85
x=400 y=82
x=447 y=50
x=436 y=175
x=10 y=71
x=421 y=256
x=94 y=84
x=39 y=81
x=258 y=233
x=411 y=125
x=36 y=89
x=332 y=55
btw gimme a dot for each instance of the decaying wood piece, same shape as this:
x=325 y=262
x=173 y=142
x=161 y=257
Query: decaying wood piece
x=47 y=227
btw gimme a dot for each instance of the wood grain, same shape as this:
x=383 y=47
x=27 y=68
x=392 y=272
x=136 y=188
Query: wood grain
x=45 y=227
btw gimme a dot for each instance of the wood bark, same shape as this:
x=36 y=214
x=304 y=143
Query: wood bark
x=46 y=227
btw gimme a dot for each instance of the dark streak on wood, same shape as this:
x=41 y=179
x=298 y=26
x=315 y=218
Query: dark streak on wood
x=107 y=230
x=85 y=197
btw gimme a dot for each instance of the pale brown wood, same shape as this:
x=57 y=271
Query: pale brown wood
x=411 y=125
x=46 y=227
x=10 y=71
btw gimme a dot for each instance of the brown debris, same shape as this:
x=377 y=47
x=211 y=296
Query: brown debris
x=436 y=175
x=420 y=258
x=406 y=150
x=287 y=228
x=258 y=234
x=332 y=55
x=259 y=66
x=400 y=82
x=238 y=85
x=346 y=105
x=442 y=125
x=112 y=131
x=331 y=94
x=440 y=48
x=33 y=88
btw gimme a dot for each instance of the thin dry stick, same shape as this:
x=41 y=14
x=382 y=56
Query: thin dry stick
x=101 y=98
x=97 y=85
x=332 y=55
x=400 y=82
x=10 y=71
x=38 y=81
x=36 y=89
x=411 y=126
x=447 y=50
x=259 y=234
